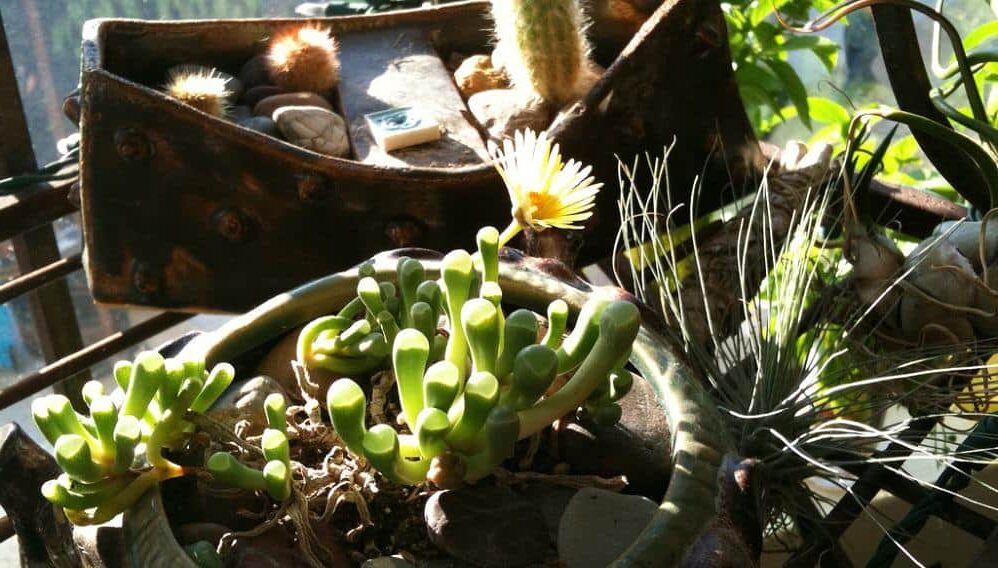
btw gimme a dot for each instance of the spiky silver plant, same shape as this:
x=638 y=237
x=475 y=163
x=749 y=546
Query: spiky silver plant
x=798 y=383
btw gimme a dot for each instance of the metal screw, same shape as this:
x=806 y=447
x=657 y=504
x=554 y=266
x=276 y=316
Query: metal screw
x=404 y=233
x=231 y=224
x=132 y=145
x=312 y=187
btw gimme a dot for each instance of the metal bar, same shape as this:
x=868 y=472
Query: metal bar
x=84 y=358
x=34 y=206
x=53 y=314
x=40 y=277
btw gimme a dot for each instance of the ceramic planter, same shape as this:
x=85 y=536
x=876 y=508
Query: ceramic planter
x=697 y=445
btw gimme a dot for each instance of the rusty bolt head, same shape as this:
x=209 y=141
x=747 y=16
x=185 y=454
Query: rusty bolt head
x=312 y=187
x=145 y=279
x=405 y=233
x=132 y=145
x=231 y=224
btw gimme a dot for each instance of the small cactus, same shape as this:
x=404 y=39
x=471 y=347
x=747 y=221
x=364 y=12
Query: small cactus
x=304 y=58
x=201 y=87
x=543 y=47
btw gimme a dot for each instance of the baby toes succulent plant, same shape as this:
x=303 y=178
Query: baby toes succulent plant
x=468 y=395
x=113 y=455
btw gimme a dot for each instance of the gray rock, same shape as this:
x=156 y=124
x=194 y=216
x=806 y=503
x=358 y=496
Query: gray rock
x=261 y=124
x=639 y=446
x=254 y=72
x=240 y=113
x=551 y=500
x=258 y=93
x=476 y=74
x=487 y=526
x=599 y=525
x=504 y=111
x=244 y=401
x=314 y=128
x=267 y=106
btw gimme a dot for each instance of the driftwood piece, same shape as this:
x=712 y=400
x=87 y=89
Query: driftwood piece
x=45 y=537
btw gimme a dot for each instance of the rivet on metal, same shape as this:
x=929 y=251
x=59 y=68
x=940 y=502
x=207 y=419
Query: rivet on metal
x=312 y=187
x=132 y=145
x=231 y=224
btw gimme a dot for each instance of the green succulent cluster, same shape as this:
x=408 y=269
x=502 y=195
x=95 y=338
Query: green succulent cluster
x=112 y=456
x=275 y=478
x=468 y=393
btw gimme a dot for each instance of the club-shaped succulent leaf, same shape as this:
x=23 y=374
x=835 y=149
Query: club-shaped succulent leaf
x=480 y=321
x=147 y=374
x=277 y=478
x=533 y=371
x=409 y=356
x=275 y=408
x=457 y=271
x=274 y=444
x=441 y=385
x=347 y=406
x=432 y=426
x=520 y=330
x=488 y=252
x=469 y=414
x=228 y=470
x=580 y=342
x=557 y=323
x=219 y=379
x=72 y=453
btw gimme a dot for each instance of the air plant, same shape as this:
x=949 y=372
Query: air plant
x=304 y=58
x=804 y=394
x=201 y=87
x=114 y=455
x=543 y=47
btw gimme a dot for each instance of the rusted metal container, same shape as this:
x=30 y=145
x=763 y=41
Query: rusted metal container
x=186 y=211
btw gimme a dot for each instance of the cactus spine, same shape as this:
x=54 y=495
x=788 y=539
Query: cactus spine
x=543 y=46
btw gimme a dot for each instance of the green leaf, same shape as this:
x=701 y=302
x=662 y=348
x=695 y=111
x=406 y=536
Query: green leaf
x=981 y=34
x=827 y=111
x=794 y=88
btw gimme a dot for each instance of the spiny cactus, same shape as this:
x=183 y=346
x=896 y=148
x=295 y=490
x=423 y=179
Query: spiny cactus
x=465 y=421
x=201 y=87
x=543 y=47
x=101 y=455
x=304 y=58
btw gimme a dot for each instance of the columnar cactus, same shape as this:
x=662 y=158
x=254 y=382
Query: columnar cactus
x=465 y=420
x=543 y=47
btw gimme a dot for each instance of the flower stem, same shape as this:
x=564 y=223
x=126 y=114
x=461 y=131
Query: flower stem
x=511 y=231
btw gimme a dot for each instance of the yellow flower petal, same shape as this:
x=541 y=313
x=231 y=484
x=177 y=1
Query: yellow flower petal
x=545 y=191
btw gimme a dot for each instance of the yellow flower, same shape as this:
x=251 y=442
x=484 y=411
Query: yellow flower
x=545 y=191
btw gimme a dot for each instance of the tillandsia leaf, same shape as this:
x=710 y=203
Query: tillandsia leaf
x=277 y=478
x=533 y=371
x=578 y=344
x=147 y=374
x=557 y=323
x=441 y=385
x=219 y=379
x=410 y=353
x=347 y=406
x=457 y=271
x=91 y=390
x=488 y=252
x=480 y=321
x=127 y=435
x=520 y=330
x=381 y=447
x=502 y=429
x=471 y=410
x=227 y=469
x=122 y=372
x=275 y=408
x=431 y=430
x=72 y=453
x=410 y=274
x=618 y=327
x=274 y=444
